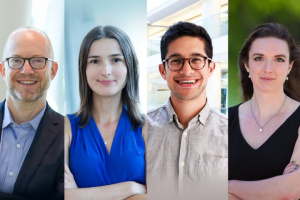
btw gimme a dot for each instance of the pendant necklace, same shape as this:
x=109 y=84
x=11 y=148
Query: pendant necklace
x=261 y=128
x=107 y=139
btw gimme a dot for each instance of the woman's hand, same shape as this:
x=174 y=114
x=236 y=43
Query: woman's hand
x=232 y=197
x=137 y=197
x=69 y=178
x=137 y=188
x=291 y=167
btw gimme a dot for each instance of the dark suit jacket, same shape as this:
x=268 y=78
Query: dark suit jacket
x=42 y=173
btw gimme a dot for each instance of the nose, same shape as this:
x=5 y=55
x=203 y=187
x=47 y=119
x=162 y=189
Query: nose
x=106 y=69
x=268 y=66
x=27 y=69
x=186 y=69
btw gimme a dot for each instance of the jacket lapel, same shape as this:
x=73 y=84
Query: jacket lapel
x=1 y=116
x=44 y=137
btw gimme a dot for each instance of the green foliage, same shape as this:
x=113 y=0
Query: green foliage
x=244 y=16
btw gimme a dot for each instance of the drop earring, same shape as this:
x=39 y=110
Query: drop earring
x=287 y=78
x=249 y=75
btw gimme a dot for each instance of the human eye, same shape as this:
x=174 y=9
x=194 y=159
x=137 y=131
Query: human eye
x=175 y=61
x=197 y=59
x=258 y=58
x=37 y=60
x=116 y=60
x=279 y=60
x=94 y=61
x=15 y=60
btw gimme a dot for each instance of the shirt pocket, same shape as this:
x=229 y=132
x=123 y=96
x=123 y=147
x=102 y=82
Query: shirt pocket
x=211 y=166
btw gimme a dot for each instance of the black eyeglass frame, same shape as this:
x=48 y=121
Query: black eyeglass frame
x=24 y=60
x=189 y=61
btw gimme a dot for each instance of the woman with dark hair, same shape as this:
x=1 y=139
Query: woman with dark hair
x=104 y=141
x=264 y=142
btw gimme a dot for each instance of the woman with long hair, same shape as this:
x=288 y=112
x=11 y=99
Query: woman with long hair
x=104 y=141
x=264 y=142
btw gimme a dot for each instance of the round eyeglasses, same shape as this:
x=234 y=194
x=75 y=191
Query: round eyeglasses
x=35 y=63
x=196 y=62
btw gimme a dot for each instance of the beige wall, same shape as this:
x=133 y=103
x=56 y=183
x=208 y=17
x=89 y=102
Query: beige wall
x=14 y=13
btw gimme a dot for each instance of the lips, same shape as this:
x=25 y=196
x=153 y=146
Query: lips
x=27 y=82
x=106 y=82
x=187 y=82
x=267 y=78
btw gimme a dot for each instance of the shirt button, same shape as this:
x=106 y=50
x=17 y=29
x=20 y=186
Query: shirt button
x=182 y=164
x=11 y=173
x=18 y=145
x=185 y=133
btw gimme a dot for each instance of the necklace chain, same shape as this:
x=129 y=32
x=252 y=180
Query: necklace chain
x=260 y=126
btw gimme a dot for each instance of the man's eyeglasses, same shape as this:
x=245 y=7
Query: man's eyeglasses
x=196 y=62
x=35 y=63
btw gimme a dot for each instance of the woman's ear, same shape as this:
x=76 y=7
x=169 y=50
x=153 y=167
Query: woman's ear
x=291 y=66
x=246 y=67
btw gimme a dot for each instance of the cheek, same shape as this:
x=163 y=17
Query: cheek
x=92 y=71
x=254 y=68
x=120 y=73
x=91 y=74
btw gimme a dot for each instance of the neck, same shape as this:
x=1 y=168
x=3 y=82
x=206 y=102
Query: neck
x=106 y=109
x=187 y=110
x=266 y=105
x=24 y=111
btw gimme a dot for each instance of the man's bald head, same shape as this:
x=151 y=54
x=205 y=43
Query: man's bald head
x=32 y=34
x=26 y=84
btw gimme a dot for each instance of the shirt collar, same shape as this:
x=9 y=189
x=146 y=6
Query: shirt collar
x=201 y=116
x=34 y=122
x=170 y=111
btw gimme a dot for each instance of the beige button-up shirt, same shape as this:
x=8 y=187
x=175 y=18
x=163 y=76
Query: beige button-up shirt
x=189 y=163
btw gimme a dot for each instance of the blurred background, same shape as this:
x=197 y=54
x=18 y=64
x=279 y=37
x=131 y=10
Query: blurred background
x=47 y=15
x=81 y=16
x=213 y=16
x=244 y=16
x=68 y=21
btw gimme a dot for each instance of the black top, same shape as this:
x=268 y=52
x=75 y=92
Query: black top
x=270 y=159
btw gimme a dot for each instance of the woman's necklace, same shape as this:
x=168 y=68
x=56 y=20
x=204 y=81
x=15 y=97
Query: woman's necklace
x=261 y=128
x=106 y=140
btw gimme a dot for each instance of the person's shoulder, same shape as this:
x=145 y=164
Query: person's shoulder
x=155 y=111
x=218 y=115
x=55 y=116
x=2 y=104
x=2 y=108
x=233 y=111
x=233 y=108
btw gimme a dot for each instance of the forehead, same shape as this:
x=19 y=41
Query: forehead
x=269 y=45
x=186 y=46
x=105 y=47
x=27 y=43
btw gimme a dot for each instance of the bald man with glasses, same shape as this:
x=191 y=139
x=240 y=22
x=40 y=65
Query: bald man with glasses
x=31 y=133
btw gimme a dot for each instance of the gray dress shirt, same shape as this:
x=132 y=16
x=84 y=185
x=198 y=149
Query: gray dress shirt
x=189 y=163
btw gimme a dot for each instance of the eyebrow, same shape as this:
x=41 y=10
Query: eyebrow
x=179 y=55
x=279 y=55
x=113 y=55
x=33 y=56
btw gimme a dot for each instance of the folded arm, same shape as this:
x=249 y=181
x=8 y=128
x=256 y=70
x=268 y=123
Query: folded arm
x=279 y=187
x=285 y=186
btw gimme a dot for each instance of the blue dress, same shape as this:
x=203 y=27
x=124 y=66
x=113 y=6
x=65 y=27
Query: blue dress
x=93 y=166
